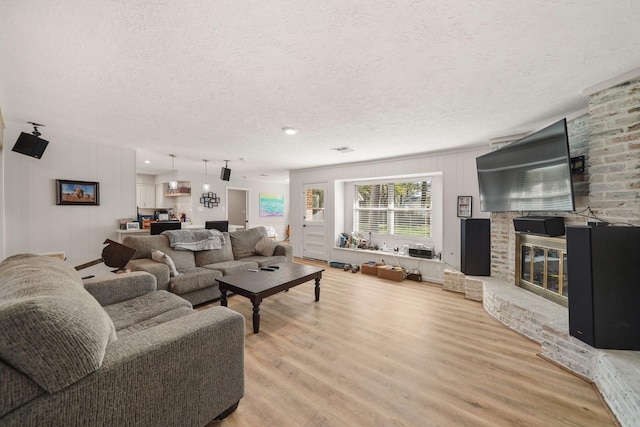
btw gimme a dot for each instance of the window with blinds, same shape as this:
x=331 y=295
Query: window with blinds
x=395 y=208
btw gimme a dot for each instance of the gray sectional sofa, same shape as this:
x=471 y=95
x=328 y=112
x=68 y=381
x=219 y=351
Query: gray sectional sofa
x=198 y=270
x=111 y=351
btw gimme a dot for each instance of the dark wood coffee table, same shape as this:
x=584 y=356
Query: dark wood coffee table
x=257 y=285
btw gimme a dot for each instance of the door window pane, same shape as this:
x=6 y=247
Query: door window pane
x=315 y=204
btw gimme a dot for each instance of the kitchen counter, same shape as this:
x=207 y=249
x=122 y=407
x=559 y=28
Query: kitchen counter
x=189 y=226
x=123 y=233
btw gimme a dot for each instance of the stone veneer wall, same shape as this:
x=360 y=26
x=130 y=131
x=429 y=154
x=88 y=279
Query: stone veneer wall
x=456 y=281
x=614 y=154
x=503 y=246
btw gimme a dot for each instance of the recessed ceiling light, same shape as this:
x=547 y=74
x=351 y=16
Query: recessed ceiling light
x=147 y=162
x=290 y=131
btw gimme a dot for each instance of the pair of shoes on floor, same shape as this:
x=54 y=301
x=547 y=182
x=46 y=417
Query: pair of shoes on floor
x=353 y=268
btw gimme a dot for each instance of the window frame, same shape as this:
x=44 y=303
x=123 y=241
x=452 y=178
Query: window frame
x=391 y=210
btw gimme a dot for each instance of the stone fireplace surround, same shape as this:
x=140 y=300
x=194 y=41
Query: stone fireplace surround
x=609 y=137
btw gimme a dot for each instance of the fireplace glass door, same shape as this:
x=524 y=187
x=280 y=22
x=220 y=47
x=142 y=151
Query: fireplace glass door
x=542 y=266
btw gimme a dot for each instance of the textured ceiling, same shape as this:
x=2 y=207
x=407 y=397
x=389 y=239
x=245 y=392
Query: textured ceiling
x=219 y=79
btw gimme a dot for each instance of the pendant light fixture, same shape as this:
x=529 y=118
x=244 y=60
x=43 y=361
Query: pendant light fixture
x=205 y=186
x=173 y=184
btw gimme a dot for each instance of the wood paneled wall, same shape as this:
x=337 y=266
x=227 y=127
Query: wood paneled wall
x=459 y=176
x=34 y=223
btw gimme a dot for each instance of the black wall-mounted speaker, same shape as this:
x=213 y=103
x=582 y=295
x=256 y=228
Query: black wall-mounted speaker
x=543 y=225
x=30 y=145
x=225 y=174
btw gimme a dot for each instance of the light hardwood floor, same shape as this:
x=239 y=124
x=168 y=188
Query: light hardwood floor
x=374 y=352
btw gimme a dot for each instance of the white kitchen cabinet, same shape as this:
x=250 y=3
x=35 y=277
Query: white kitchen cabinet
x=146 y=195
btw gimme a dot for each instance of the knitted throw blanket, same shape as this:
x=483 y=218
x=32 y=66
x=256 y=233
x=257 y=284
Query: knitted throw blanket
x=194 y=240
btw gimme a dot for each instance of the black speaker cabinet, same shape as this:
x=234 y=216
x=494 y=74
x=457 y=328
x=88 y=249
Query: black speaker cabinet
x=543 y=225
x=30 y=145
x=475 y=246
x=604 y=286
x=225 y=174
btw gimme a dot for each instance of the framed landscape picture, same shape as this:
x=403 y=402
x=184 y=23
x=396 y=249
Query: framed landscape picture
x=77 y=193
x=271 y=205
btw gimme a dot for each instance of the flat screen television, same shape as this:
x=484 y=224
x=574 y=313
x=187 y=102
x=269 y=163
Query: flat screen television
x=531 y=174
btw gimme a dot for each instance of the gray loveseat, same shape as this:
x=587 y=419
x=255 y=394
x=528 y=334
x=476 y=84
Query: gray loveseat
x=111 y=351
x=198 y=270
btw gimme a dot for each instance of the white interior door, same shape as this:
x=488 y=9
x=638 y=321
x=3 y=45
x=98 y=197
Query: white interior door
x=313 y=224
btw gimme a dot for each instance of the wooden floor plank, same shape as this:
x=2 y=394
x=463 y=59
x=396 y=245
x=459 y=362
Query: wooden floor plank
x=374 y=352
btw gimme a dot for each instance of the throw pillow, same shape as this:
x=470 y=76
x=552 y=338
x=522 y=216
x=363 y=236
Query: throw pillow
x=51 y=329
x=265 y=247
x=160 y=256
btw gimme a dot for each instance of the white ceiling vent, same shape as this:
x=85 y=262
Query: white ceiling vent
x=344 y=149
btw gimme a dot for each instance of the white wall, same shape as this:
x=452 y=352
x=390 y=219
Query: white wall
x=458 y=169
x=32 y=222
x=280 y=224
x=31 y=219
